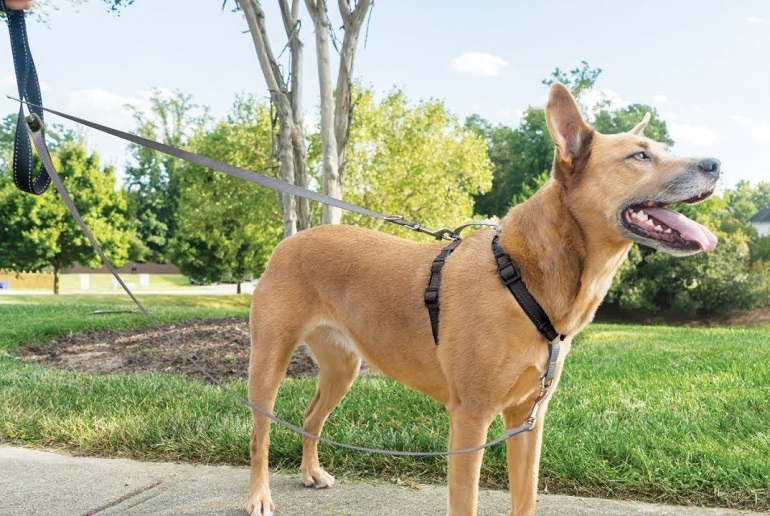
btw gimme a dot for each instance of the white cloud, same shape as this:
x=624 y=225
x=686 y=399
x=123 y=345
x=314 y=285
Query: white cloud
x=754 y=19
x=8 y=86
x=659 y=100
x=478 y=64
x=696 y=135
x=740 y=120
x=595 y=100
x=107 y=107
x=761 y=134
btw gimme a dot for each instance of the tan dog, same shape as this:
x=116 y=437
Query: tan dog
x=351 y=293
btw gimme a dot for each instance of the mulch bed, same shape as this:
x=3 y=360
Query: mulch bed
x=221 y=346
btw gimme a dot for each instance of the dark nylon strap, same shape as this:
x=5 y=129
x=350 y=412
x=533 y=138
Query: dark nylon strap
x=511 y=278
x=29 y=88
x=434 y=286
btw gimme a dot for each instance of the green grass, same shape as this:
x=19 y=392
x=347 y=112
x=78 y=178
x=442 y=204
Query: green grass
x=104 y=282
x=668 y=414
x=28 y=319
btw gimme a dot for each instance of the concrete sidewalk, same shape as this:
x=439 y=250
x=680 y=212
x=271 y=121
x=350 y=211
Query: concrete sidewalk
x=34 y=482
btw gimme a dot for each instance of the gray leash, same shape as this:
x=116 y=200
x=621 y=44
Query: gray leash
x=248 y=175
x=35 y=126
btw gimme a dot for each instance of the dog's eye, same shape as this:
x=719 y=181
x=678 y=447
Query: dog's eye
x=641 y=156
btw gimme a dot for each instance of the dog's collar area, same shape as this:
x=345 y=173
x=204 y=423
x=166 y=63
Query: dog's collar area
x=510 y=275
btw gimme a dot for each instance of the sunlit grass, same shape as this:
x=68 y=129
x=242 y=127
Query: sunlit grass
x=656 y=413
x=28 y=319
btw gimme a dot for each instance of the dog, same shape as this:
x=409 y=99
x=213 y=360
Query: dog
x=351 y=294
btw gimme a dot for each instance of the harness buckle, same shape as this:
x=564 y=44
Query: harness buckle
x=509 y=273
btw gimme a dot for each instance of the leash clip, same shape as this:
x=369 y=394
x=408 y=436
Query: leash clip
x=34 y=123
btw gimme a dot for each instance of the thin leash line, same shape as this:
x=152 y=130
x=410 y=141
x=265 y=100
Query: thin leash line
x=241 y=173
x=36 y=129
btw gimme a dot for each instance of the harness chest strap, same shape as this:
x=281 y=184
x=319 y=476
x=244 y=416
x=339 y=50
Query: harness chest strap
x=510 y=275
x=434 y=285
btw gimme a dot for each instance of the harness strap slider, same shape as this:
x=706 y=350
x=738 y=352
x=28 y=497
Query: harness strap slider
x=437 y=264
x=33 y=122
x=431 y=296
x=509 y=273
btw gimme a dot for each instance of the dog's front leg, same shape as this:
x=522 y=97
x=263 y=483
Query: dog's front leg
x=523 y=453
x=467 y=429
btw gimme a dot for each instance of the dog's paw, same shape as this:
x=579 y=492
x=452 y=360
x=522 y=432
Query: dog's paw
x=260 y=505
x=317 y=478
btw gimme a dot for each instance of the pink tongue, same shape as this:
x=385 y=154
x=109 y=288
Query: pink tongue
x=689 y=229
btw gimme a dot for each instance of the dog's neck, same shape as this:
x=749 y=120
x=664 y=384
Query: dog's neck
x=563 y=263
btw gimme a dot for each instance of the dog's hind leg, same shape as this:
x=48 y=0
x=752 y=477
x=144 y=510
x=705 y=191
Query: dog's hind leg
x=271 y=349
x=337 y=369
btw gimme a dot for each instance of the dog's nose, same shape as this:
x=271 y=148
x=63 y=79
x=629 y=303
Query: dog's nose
x=710 y=166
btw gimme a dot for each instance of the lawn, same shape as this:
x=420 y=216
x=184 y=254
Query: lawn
x=106 y=283
x=28 y=319
x=676 y=415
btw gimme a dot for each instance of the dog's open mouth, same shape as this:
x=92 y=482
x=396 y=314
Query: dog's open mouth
x=669 y=229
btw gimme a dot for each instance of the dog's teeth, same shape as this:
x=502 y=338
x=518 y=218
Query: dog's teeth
x=658 y=228
x=667 y=231
x=643 y=216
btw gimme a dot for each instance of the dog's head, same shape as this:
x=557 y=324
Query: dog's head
x=623 y=183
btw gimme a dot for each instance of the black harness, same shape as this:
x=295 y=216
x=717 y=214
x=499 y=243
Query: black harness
x=510 y=275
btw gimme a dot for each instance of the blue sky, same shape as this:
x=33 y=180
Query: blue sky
x=704 y=64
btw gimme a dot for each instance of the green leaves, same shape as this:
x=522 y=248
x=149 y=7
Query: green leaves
x=38 y=231
x=151 y=179
x=416 y=161
x=226 y=228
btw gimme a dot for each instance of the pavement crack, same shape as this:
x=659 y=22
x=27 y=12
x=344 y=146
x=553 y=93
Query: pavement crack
x=135 y=492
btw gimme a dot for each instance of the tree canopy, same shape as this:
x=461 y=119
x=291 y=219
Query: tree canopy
x=151 y=178
x=38 y=232
x=416 y=161
x=226 y=228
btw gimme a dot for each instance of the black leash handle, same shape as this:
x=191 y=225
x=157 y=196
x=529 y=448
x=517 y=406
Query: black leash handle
x=24 y=176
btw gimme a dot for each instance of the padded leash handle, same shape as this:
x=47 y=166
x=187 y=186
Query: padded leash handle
x=24 y=176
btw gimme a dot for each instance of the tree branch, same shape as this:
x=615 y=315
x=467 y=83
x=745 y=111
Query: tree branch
x=344 y=6
x=255 y=17
x=344 y=108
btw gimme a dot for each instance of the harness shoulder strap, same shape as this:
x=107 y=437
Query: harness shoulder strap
x=511 y=278
x=434 y=285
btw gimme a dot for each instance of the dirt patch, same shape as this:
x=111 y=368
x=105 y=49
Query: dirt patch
x=221 y=346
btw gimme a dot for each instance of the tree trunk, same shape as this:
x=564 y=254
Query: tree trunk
x=335 y=116
x=286 y=158
x=329 y=159
x=343 y=109
x=291 y=135
x=238 y=287
x=56 y=277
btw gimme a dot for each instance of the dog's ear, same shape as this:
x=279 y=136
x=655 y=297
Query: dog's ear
x=639 y=129
x=569 y=131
